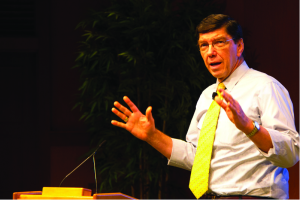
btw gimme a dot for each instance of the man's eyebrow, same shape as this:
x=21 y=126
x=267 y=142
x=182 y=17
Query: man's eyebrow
x=216 y=38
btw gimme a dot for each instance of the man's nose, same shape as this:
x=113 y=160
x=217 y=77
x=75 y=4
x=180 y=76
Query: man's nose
x=211 y=50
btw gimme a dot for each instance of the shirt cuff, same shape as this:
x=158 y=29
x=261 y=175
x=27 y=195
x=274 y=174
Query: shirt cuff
x=285 y=151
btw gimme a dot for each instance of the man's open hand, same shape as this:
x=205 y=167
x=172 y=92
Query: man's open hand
x=234 y=112
x=139 y=125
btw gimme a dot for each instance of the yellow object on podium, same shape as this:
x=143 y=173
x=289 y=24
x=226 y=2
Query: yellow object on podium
x=68 y=193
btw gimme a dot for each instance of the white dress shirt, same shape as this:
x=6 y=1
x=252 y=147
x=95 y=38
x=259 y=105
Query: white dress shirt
x=238 y=167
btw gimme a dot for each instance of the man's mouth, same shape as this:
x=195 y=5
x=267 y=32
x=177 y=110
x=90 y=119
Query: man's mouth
x=215 y=63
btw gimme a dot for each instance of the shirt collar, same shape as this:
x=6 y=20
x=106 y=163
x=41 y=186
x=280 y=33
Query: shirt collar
x=236 y=75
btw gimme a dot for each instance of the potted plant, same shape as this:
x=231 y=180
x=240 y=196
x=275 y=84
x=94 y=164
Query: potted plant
x=148 y=51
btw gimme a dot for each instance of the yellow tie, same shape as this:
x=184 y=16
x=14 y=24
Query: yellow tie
x=200 y=170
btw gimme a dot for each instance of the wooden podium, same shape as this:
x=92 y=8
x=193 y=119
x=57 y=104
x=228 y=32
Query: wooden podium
x=68 y=193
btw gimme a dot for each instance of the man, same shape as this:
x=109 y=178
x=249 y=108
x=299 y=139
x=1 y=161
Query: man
x=255 y=138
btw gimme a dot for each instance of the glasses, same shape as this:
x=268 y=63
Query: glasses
x=217 y=44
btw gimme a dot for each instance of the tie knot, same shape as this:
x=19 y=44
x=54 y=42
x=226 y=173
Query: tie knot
x=221 y=85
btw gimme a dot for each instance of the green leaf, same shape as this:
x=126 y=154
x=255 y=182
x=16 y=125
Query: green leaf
x=145 y=50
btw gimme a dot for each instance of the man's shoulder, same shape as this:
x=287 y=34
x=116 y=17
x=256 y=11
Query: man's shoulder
x=260 y=81
x=255 y=76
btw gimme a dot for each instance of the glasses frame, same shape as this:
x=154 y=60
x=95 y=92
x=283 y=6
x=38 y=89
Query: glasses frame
x=212 y=44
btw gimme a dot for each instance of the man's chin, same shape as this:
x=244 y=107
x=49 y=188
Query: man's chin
x=218 y=76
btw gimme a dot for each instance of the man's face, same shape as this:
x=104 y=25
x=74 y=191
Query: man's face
x=223 y=61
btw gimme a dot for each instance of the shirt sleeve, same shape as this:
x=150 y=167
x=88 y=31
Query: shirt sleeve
x=277 y=116
x=183 y=154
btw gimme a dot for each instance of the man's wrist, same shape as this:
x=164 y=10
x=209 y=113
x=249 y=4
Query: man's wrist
x=248 y=127
x=153 y=136
x=161 y=142
x=255 y=129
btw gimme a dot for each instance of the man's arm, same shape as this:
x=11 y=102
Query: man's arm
x=142 y=126
x=237 y=116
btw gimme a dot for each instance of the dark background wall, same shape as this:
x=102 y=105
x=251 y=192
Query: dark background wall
x=42 y=138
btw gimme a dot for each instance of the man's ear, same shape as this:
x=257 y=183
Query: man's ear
x=240 y=47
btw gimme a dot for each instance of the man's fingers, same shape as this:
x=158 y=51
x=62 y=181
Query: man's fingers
x=119 y=114
x=119 y=124
x=123 y=109
x=149 y=113
x=226 y=96
x=225 y=105
x=220 y=102
x=230 y=104
x=131 y=105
